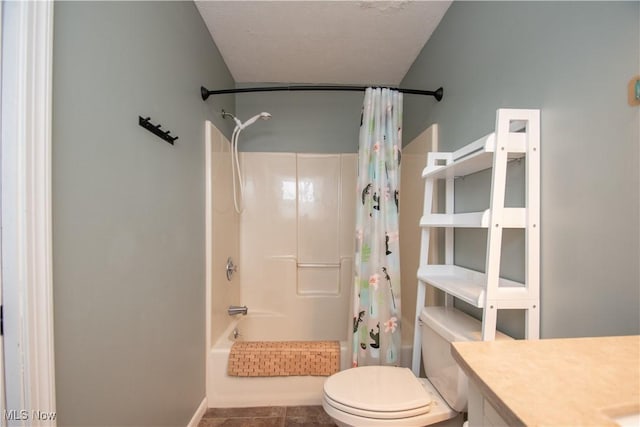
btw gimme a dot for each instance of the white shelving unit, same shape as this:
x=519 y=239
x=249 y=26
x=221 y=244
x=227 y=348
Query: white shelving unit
x=517 y=135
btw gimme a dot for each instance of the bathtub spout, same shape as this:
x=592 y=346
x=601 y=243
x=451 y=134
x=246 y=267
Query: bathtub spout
x=234 y=309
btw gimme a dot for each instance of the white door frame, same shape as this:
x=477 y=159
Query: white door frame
x=3 y=397
x=26 y=207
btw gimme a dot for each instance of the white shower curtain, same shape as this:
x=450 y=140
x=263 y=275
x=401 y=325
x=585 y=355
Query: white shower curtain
x=376 y=305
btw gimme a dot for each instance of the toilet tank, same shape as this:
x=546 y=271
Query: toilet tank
x=440 y=326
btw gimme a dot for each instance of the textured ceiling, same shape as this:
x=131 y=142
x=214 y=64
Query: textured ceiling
x=341 y=42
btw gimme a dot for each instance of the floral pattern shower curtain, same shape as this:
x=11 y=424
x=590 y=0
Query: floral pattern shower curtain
x=376 y=306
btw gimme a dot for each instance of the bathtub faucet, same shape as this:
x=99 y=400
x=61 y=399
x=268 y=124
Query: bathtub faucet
x=234 y=309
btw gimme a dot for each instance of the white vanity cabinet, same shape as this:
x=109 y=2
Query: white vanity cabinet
x=481 y=412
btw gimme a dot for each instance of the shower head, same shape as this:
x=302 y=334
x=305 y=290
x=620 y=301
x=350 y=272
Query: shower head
x=252 y=120
x=235 y=164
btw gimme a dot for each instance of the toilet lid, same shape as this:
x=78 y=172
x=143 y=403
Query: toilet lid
x=378 y=389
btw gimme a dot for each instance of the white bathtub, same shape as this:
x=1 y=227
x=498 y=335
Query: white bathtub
x=225 y=391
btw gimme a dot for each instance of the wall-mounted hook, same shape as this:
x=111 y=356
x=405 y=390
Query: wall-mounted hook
x=155 y=129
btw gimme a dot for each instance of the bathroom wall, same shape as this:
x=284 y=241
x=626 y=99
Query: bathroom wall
x=297 y=240
x=225 y=233
x=128 y=210
x=572 y=60
x=303 y=122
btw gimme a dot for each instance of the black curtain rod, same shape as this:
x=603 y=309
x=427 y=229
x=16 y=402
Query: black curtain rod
x=437 y=94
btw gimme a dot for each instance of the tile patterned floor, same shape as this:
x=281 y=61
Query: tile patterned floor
x=267 y=416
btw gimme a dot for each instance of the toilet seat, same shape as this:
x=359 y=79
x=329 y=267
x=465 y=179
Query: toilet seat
x=384 y=392
x=381 y=415
x=383 y=396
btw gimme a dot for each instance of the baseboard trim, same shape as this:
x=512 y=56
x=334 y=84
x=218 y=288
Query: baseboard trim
x=195 y=420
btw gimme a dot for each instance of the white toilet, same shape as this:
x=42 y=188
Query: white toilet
x=391 y=396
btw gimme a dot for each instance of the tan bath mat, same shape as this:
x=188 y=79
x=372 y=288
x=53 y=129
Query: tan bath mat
x=284 y=358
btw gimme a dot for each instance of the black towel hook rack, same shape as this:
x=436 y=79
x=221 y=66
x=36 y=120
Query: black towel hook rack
x=155 y=129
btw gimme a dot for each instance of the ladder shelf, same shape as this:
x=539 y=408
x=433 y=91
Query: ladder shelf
x=516 y=136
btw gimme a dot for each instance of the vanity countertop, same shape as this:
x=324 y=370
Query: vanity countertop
x=575 y=381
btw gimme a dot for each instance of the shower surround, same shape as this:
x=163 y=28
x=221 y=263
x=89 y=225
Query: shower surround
x=297 y=239
x=294 y=246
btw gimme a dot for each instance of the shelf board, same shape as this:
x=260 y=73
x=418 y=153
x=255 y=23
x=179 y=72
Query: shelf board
x=511 y=218
x=467 y=285
x=477 y=156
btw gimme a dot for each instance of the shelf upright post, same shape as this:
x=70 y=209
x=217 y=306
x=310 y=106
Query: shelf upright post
x=425 y=234
x=448 y=232
x=494 y=234
x=433 y=158
x=532 y=232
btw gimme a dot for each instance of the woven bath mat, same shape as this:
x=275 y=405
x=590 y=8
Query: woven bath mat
x=283 y=358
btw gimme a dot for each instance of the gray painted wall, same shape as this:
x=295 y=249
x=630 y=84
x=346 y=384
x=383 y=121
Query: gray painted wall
x=302 y=122
x=128 y=210
x=573 y=61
